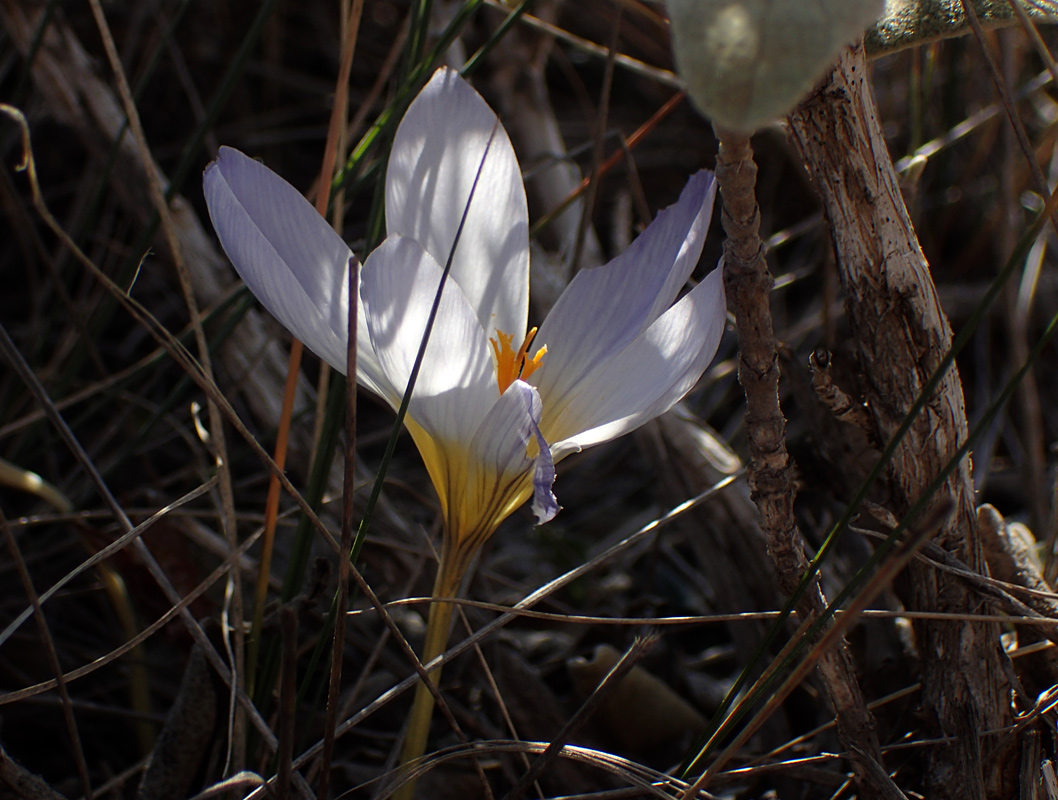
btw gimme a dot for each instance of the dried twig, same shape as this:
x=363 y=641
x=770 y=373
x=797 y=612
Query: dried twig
x=53 y=658
x=64 y=77
x=748 y=286
x=351 y=28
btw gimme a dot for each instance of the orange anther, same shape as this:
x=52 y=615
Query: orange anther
x=510 y=366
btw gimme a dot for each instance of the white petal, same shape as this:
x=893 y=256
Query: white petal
x=605 y=308
x=456 y=385
x=647 y=378
x=289 y=257
x=437 y=152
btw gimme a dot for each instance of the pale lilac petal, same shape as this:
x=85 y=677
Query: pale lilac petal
x=499 y=455
x=545 y=504
x=456 y=385
x=606 y=308
x=437 y=152
x=289 y=257
x=647 y=378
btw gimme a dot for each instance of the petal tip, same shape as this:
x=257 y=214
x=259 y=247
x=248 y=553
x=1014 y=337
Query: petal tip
x=547 y=510
x=226 y=157
x=702 y=185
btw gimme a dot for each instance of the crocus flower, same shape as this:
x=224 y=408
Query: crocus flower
x=495 y=405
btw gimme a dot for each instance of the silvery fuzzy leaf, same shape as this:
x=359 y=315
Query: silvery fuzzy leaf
x=747 y=62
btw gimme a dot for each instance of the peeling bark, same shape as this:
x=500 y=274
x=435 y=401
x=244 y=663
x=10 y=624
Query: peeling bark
x=901 y=335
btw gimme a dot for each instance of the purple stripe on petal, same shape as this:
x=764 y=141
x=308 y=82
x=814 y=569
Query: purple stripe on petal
x=605 y=308
x=289 y=257
x=648 y=377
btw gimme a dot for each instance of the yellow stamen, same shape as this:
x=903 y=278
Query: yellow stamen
x=533 y=364
x=510 y=366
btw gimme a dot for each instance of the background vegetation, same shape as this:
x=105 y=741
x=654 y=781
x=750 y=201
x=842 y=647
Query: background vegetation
x=98 y=399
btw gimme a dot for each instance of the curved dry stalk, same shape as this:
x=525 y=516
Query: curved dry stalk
x=233 y=614
x=605 y=688
x=508 y=616
x=648 y=781
x=53 y=658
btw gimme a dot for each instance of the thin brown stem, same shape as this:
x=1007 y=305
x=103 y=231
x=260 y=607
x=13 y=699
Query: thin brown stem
x=288 y=689
x=264 y=570
x=748 y=285
x=332 y=155
x=53 y=657
x=233 y=609
x=600 y=139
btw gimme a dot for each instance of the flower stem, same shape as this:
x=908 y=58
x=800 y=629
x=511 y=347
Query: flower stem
x=437 y=627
